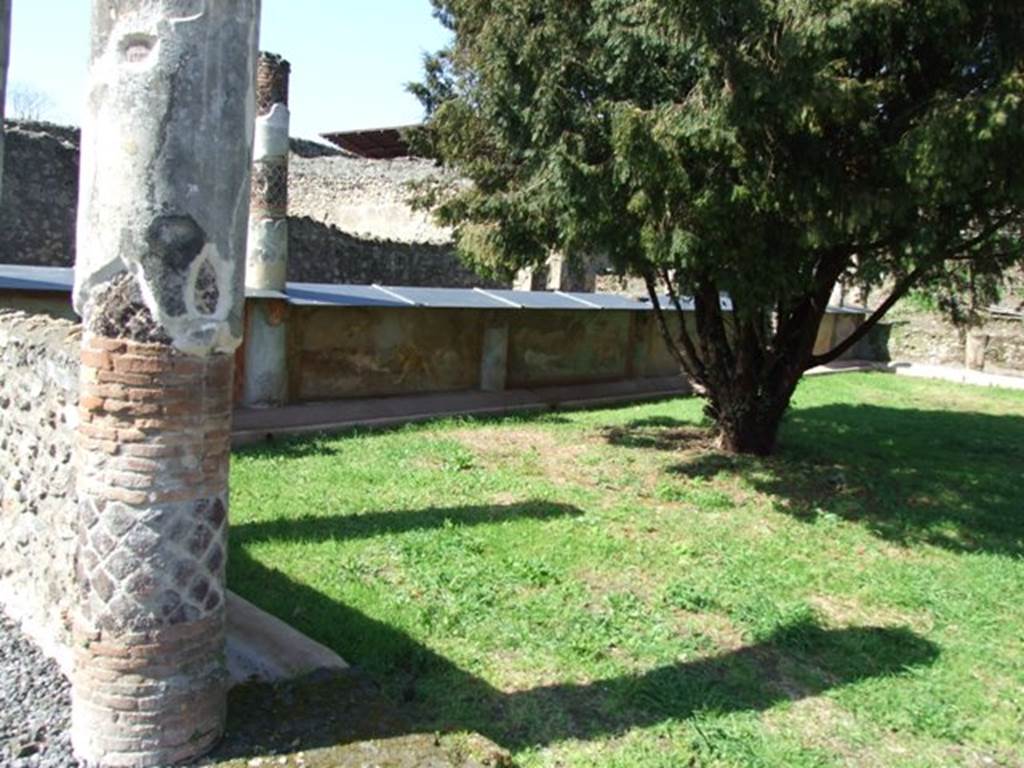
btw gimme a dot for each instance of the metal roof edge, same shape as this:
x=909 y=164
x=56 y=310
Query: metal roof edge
x=395 y=295
x=584 y=302
x=500 y=299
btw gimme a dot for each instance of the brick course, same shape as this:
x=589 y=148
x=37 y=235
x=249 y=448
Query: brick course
x=153 y=447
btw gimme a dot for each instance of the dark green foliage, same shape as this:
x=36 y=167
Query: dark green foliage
x=764 y=149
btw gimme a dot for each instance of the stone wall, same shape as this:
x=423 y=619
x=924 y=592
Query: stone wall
x=38 y=412
x=909 y=335
x=367 y=198
x=322 y=253
x=40 y=195
x=352 y=222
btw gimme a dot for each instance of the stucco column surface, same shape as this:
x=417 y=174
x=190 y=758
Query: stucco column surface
x=267 y=251
x=265 y=375
x=163 y=211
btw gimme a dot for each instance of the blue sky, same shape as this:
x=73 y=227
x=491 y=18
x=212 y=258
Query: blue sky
x=350 y=58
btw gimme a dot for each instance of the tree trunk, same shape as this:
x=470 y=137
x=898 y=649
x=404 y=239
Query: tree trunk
x=748 y=413
x=754 y=430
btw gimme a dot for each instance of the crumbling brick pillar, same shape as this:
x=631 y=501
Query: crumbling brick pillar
x=265 y=372
x=166 y=155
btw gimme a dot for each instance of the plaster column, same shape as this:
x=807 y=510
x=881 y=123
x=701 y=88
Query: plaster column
x=163 y=209
x=494 y=354
x=5 y=49
x=265 y=371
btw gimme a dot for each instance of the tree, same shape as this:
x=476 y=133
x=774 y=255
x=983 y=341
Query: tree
x=28 y=103
x=759 y=148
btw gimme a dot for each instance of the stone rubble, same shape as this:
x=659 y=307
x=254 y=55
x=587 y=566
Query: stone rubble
x=35 y=705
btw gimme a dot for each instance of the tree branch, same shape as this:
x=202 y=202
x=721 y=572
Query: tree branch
x=684 y=333
x=899 y=291
x=718 y=358
x=905 y=285
x=692 y=371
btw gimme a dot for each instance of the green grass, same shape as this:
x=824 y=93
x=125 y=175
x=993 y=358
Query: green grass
x=604 y=589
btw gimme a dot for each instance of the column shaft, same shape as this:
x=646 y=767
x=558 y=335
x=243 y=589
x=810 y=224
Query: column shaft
x=166 y=157
x=265 y=373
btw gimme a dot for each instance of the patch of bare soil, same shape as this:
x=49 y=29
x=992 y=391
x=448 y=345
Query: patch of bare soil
x=662 y=437
x=844 y=611
x=494 y=446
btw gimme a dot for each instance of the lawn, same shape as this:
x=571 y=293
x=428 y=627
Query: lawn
x=602 y=588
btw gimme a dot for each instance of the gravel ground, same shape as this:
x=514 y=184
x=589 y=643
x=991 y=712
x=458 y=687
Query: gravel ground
x=323 y=721
x=35 y=705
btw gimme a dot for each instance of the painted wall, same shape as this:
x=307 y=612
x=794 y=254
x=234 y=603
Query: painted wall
x=360 y=351
x=570 y=347
x=835 y=327
x=338 y=352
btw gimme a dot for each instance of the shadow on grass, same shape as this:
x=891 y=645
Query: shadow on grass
x=661 y=434
x=404 y=688
x=946 y=478
x=320 y=528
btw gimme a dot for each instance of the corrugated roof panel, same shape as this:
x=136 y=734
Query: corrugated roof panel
x=321 y=294
x=61 y=279
x=536 y=299
x=26 y=278
x=447 y=298
x=608 y=300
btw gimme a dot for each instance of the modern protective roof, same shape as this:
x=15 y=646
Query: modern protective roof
x=15 y=277
x=44 y=279
x=376 y=143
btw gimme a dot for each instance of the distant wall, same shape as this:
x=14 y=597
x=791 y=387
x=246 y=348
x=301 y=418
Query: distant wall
x=569 y=347
x=360 y=351
x=321 y=253
x=835 y=328
x=38 y=412
x=40 y=195
x=339 y=352
x=351 y=220
x=912 y=336
x=367 y=198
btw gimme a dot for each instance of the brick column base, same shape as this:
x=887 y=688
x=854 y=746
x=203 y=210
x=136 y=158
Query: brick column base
x=154 y=439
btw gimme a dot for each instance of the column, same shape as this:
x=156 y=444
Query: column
x=494 y=353
x=265 y=373
x=163 y=211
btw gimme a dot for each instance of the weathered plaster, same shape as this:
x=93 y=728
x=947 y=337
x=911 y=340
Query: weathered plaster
x=161 y=139
x=265 y=376
x=266 y=263
x=272 y=130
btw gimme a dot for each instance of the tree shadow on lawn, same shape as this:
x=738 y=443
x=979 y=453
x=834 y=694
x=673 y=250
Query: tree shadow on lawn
x=404 y=687
x=947 y=478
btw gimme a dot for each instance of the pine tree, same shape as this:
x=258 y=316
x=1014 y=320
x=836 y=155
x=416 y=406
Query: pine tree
x=759 y=148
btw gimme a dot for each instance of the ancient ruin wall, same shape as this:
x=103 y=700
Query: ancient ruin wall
x=40 y=195
x=39 y=356
x=368 y=198
x=322 y=253
x=912 y=336
x=330 y=240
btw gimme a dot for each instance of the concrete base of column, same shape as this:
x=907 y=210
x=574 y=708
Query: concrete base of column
x=149 y=680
